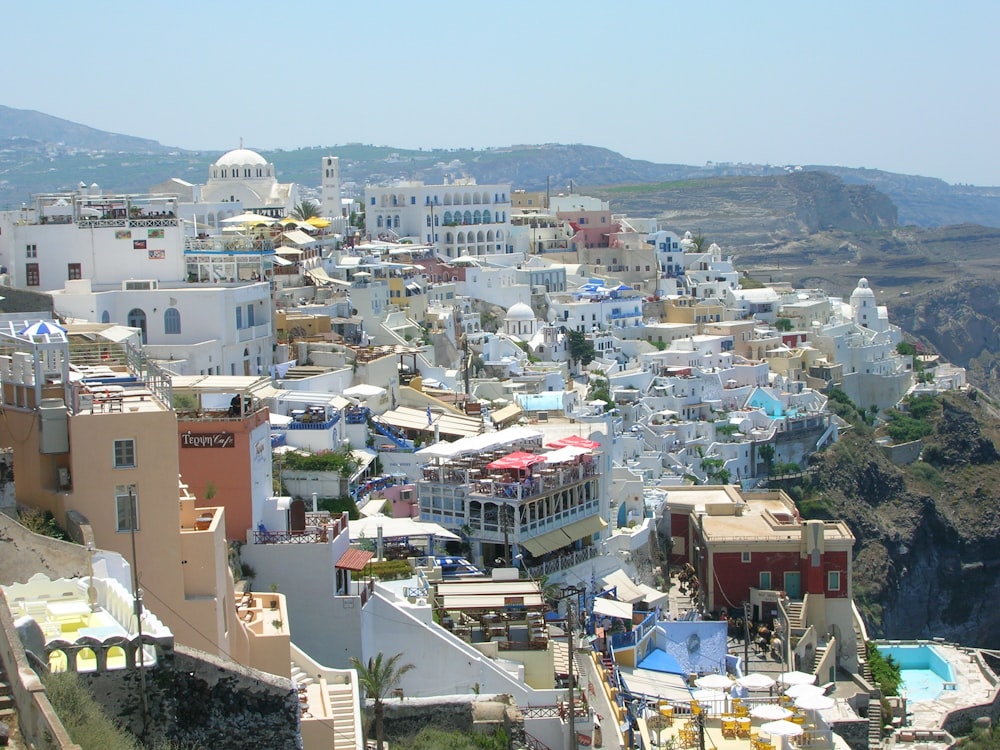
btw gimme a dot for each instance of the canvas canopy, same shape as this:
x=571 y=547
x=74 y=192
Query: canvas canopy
x=612 y=608
x=516 y=460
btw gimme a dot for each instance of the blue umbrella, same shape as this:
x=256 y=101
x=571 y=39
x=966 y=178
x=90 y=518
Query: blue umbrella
x=41 y=328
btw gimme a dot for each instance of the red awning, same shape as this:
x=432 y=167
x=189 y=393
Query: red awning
x=354 y=559
x=516 y=460
x=575 y=441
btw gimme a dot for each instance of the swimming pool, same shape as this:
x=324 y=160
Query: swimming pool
x=924 y=671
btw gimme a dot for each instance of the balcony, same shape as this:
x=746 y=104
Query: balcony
x=321 y=528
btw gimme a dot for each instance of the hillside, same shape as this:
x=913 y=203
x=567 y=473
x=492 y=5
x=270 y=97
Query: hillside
x=40 y=153
x=927 y=534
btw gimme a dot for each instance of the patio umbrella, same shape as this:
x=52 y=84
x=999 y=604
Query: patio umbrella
x=41 y=328
x=815 y=702
x=796 y=678
x=782 y=728
x=803 y=688
x=248 y=218
x=714 y=681
x=756 y=681
x=770 y=712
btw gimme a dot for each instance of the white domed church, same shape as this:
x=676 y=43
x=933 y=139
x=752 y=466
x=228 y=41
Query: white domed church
x=247 y=177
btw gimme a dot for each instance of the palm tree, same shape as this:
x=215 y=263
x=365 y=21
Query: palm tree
x=305 y=210
x=378 y=679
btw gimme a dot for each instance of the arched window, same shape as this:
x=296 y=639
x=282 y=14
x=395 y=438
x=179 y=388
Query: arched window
x=447 y=217
x=477 y=218
x=487 y=217
x=172 y=320
x=467 y=217
x=378 y=221
x=395 y=221
x=105 y=317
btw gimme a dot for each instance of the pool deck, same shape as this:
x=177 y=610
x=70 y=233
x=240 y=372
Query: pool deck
x=973 y=687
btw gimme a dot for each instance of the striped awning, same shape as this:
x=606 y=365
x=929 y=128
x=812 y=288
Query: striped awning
x=568 y=534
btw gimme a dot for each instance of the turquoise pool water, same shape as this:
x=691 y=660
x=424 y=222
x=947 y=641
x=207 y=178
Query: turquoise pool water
x=923 y=669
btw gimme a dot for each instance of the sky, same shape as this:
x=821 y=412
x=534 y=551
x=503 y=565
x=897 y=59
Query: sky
x=901 y=85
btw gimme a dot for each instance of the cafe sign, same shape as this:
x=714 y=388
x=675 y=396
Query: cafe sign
x=208 y=440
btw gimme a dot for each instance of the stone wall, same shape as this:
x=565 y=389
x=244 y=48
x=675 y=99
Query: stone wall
x=904 y=453
x=199 y=700
x=464 y=713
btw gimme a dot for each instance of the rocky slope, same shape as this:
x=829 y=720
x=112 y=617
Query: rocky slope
x=926 y=560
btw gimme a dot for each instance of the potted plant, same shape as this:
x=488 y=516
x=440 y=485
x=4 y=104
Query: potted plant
x=274 y=599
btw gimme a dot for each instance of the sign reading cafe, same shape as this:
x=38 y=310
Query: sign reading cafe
x=208 y=440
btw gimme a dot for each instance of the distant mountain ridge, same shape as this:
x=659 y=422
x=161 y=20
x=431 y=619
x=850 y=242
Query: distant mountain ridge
x=29 y=125
x=41 y=153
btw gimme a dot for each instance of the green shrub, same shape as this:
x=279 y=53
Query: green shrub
x=386 y=570
x=82 y=717
x=885 y=671
x=40 y=522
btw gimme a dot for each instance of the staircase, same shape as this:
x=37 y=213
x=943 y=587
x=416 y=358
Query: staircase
x=795 y=611
x=340 y=702
x=299 y=677
x=874 y=723
x=874 y=698
x=6 y=699
x=339 y=698
x=820 y=653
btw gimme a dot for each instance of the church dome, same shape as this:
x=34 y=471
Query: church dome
x=862 y=290
x=520 y=311
x=240 y=157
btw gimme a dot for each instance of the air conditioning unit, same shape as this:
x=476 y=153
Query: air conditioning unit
x=406 y=495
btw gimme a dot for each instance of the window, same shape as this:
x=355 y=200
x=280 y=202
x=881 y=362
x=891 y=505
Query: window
x=250 y=323
x=833 y=580
x=172 y=320
x=765 y=580
x=239 y=318
x=74 y=271
x=125 y=454
x=31 y=251
x=31 y=275
x=745 y=557
x=126 y=507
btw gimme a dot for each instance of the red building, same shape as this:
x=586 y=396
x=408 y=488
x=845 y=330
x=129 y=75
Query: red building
x=743 y=545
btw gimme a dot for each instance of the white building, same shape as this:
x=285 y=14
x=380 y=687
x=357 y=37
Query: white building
x=106 y=238
x=192 y=329
x=244 y=176
x=460 y=218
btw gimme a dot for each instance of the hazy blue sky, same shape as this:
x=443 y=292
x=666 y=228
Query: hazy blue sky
x=908 y=86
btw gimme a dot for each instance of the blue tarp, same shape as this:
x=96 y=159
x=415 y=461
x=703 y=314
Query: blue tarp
x=661 y=661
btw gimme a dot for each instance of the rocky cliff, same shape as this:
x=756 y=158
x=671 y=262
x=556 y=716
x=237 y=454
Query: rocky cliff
x=926 y=557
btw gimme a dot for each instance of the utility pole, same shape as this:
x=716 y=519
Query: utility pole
x=747 y=611
x=137 y=602
x=570 y=592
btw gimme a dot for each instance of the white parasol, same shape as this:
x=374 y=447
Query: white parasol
x=814 y=702
x=803 y=688
x=796 y=678
x=714 y=681
x=782 y=728
x=770 y=712
x=756 y=681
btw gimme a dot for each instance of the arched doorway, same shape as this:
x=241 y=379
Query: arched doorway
x=246 y=361
x=137 y=319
